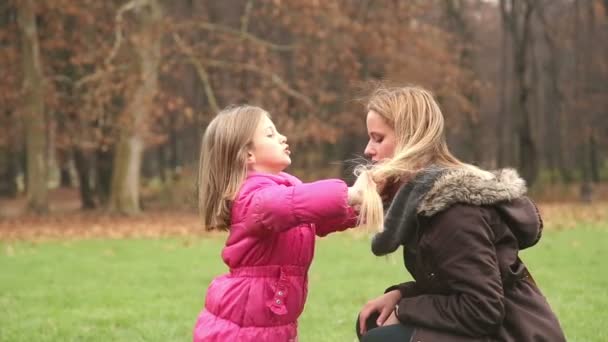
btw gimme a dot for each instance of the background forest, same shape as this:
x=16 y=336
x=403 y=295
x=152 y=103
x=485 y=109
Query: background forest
x=110 y=98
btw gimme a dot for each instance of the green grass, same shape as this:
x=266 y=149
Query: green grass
x=152 y=290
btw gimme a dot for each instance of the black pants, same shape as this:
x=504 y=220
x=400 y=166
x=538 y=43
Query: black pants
x=389 y=333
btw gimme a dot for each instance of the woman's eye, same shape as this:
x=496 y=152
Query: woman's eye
x=376 y=138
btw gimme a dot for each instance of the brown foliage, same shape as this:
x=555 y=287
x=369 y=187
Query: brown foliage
x=308 y=62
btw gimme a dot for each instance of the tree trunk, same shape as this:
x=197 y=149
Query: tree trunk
x=161 y=162
x=228 y=13
x=83 y=168
x=517 y=17
x=590 y=69
x=103 y=174
x=33 y=110
x=173 y=146
x=594 y=162
x=8 y=171
x=503 y=121
x=124 y=195
x=555 y=100
x=457 y=22
x=63 y=161
x=528 y=157
x=9 y=156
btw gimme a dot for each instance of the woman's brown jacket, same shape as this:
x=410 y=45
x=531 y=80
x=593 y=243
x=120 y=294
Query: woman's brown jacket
x=462 y=231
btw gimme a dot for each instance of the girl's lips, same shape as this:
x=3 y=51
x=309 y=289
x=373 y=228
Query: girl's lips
x=288 y=152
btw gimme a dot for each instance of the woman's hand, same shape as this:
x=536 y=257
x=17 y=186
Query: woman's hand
x=384 y=304
x=392 y=319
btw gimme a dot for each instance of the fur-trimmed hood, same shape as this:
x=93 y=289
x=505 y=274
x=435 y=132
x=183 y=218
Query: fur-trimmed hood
x=435 y=189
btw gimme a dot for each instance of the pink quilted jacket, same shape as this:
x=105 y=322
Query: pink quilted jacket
x=269 y=250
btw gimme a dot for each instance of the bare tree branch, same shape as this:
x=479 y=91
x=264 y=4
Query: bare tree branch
x=245 y=17
x=200 y=64
x=118 y=38
x=276 y=79
x=239 y=34
x=200 y=70
x=118 y=27
x=99 y=74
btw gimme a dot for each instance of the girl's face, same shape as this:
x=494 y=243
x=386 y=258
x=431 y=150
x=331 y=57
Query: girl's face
x=270 y=152
x=382 y=142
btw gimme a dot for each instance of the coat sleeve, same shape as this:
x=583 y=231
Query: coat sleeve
x=337 y=224
x=462 y=253
x=407 y=289
x=274 y=208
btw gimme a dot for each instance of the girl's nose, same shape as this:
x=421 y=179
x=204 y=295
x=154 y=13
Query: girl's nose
x=283 y=139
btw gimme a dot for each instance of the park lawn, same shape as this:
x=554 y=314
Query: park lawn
x=152 y=289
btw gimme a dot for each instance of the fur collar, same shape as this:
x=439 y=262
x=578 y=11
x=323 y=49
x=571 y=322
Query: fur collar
x=435 y=189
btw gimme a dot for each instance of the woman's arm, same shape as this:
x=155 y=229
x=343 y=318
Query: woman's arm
x=407 y=289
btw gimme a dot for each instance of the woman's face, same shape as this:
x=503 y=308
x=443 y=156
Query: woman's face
x=382 y=142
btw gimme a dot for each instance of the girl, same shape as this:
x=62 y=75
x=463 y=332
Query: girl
x=461 y=229
x=272 y=218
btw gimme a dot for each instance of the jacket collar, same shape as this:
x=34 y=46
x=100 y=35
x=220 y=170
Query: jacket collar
x=435 y=189
x=280 y=178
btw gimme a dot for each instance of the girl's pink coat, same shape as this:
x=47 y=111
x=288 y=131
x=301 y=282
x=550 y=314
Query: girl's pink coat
x=269 y=250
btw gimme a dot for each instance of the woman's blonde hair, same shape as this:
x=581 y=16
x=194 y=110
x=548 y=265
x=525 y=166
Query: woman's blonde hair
x=223 y=162
x=418 y=125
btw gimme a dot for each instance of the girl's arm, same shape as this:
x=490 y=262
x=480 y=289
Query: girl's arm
x=337 y=224
x=274 y=208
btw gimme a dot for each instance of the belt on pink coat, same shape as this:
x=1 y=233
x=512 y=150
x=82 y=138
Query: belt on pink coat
x=271 y=271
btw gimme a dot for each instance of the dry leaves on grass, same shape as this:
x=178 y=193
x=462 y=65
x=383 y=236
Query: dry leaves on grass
x=569 y=215
x=84 y=225
x=80 y=225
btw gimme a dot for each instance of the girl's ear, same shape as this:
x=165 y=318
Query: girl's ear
x=250 y=158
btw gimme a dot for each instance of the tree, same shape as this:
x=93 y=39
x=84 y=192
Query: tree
x=9 y=137
x=469 y=98
x=33 y=109
x=517 y=17
x=555 y=97
x=145 y=46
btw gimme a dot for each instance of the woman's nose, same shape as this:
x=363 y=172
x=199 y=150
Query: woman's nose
x=369 y=151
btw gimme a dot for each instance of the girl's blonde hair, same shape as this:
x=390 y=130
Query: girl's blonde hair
x=223 y=162
x=418 y=124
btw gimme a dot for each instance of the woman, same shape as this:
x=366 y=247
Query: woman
x=461 y=228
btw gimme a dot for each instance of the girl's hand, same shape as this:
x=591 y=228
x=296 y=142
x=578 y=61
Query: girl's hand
x=355 y=192
x=354 y=196
x=384 y=304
